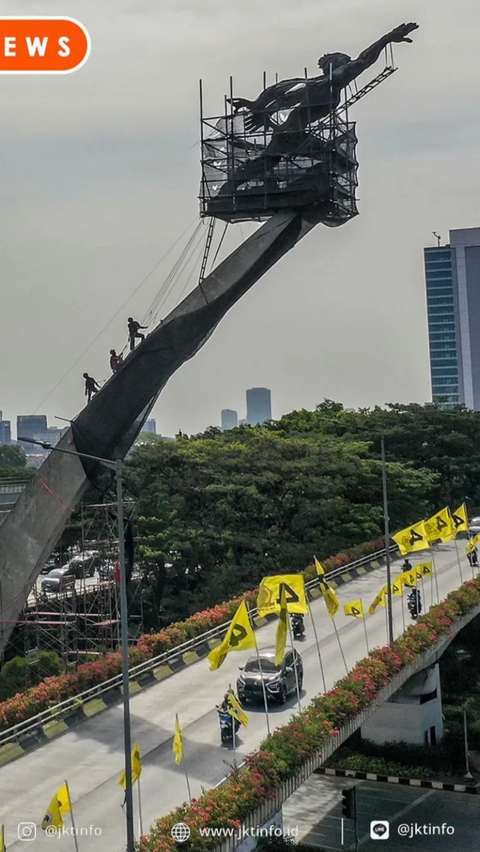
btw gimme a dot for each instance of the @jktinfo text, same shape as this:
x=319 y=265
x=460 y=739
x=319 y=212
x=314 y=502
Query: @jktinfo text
x=27 y=831
x=380 y=829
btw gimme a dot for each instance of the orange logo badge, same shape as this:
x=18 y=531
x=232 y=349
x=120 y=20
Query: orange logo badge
x=42 y=45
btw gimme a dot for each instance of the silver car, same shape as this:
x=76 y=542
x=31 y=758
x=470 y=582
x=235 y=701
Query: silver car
x=474 y=526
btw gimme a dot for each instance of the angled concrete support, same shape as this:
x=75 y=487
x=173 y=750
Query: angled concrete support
x=108 y=426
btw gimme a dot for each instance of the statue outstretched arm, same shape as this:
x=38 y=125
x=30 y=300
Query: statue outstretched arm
x=349 y=72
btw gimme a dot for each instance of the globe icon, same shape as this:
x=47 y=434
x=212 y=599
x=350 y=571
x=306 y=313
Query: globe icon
x=180 y=832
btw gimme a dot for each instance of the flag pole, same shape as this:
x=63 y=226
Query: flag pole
x=317 y=644
x=365 y=629
x=140 y=821
x=295 y=667
x=339 y=644
x=435 y=573
x=265 y=702
x=403 y=610
x=75 y=838
x=458 y=560
x=234 y=733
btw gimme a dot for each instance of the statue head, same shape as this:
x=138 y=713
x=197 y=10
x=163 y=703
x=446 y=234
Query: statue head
x=333 y=59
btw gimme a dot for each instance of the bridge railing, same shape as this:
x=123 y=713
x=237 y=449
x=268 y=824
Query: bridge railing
x=69 y=705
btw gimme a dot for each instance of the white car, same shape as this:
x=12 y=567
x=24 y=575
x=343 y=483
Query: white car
x=474 y=526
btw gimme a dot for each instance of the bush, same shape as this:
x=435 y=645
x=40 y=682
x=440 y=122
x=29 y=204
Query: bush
x=23 y=672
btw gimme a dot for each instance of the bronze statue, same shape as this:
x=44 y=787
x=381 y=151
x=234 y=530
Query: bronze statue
x=309 y=100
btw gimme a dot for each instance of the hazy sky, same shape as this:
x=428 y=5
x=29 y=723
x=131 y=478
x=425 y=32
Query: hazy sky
x=100 y=175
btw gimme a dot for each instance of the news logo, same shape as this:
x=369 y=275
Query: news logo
x=42 y=45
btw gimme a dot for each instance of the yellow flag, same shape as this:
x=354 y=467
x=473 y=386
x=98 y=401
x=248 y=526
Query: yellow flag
x=440 y=526
x=412 y=538
x=53 y=815
x=475 y=540
x=471 y=545
x=270 y=591
x=236 y=710
x=378 y=601
x=408 y=578
x=240 y=637
x=282 y=630
x=319 y=567
x=460 y=519
x=178 y=741
x=397 y=586
x=331 y=600
x=424 y=569
x=136 y=767
x=355 y=608
x=3 y=848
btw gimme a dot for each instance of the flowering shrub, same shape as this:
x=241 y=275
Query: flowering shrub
x=289 y=747
x=58 y=688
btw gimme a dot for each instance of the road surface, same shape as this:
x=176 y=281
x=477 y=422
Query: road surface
x=91 y=756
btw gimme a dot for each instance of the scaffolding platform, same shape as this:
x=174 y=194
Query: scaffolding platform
x=282 y=159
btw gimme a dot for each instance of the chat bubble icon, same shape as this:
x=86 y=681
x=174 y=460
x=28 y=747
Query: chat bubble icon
x=379 y=830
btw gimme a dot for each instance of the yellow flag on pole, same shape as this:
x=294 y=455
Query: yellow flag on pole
x=397 y=586
x=331 y=599
x=270 y=592
x=354 y=608
x=136 y=760
x=178 y=742
x=440 y=526
x=319 y=567
x=53 y=816
x=412 y=538
x=3 y=848
x=282 y=630
x=408 y=578
x=239 y=637
x=236 y=710
x=424 y=569
x=460 y=519
x=378 y=601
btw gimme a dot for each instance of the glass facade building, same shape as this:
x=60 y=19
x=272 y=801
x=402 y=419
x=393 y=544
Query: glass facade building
x=452 y=275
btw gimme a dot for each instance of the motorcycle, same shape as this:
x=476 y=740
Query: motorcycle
x=414 y=605
x=226 y=722
x=298 y=626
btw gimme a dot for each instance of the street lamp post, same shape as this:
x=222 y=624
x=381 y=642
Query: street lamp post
x=387 y=541
x=116 y=466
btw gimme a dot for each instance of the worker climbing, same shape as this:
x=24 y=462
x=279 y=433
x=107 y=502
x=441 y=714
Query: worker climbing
x=133 y=332
x=91 y=386
x=116 y=361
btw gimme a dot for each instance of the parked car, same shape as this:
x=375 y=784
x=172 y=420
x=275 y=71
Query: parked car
x=58 y=580
x=279 y=681
x=49 y=566
x=474 y=526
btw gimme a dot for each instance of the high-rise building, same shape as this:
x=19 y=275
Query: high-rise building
x=5 y=430
x=31 y=425
x=452 y=274
x=229 y=419
x=150 y=426
x=259 y=406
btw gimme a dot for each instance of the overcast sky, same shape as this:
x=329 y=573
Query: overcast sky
x=100 y=176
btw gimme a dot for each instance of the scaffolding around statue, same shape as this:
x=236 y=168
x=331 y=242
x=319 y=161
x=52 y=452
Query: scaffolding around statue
x=312 y=167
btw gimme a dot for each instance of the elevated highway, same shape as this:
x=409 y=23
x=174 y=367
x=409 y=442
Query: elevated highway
x=91 y=756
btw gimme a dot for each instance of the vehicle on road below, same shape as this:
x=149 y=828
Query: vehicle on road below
x=279 y=681
x=58 y=580
x=474 y=526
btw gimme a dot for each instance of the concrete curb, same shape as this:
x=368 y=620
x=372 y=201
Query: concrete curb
x=392 y=779
x=85 y=710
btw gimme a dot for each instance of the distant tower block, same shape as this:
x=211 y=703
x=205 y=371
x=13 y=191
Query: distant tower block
x=259 y=406
x=229 y=419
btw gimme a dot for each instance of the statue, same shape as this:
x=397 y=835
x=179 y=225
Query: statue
x=309 y=101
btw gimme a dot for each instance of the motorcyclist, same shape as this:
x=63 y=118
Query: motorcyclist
x=225 y=706
x=298 y=624
x=415 y=601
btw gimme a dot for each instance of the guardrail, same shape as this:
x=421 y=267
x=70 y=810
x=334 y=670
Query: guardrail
x=71 y=704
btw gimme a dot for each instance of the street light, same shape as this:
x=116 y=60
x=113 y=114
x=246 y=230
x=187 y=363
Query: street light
x=117 y=466
x=387 y=532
